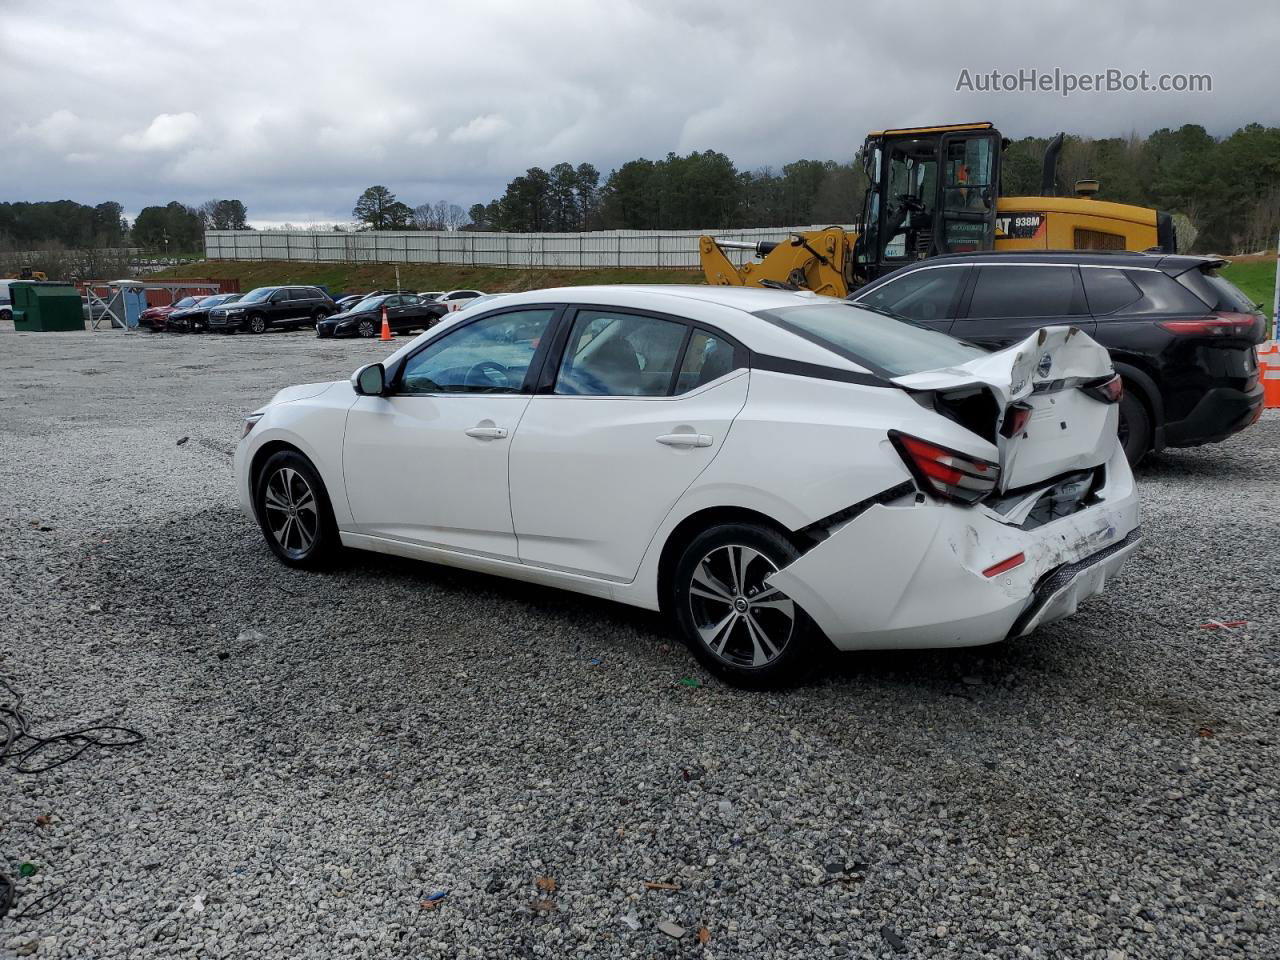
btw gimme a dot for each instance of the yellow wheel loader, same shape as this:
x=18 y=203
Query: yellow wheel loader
x=932 y=191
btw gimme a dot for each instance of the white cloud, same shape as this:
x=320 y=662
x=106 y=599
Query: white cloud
x=167 y=131
x=57 y=131
x=481 y=129
x=424 y=138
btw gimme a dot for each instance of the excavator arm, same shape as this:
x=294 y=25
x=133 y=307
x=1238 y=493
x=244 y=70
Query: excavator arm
x=819 y=260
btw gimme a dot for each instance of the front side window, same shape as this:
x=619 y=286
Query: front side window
x=491 y=355
x=922 y=295
x=1026 y=291
x=619 y=355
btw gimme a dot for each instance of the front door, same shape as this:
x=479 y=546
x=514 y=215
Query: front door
x=427 y=464
x=640 y=406
x=970 y=170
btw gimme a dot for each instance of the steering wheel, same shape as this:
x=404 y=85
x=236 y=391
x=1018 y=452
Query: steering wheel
x=482 y=375
x=910 y=202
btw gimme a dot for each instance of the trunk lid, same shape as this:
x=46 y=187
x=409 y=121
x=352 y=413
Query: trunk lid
x=1068 y=429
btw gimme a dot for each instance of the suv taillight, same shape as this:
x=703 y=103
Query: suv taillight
x=1219 y=324
x=949 y=474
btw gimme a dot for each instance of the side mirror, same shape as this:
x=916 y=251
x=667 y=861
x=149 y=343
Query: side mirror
x=370 y=380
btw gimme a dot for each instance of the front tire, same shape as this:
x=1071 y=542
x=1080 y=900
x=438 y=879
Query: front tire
x=257 y=323
x=1135 y=426
x=366 y=329
x=294 y=512
x=745 y=632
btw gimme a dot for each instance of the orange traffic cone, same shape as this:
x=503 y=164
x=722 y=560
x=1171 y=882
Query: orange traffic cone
x=386 y=326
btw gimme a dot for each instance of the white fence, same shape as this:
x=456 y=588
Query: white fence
x=570 y=251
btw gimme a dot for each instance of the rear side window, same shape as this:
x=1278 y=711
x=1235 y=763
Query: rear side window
x=619 y=355
x=878 y=341
x=1026 y=291
x=1217 y=292
x=707 y=357
x=931 y=293
x=1108 y=290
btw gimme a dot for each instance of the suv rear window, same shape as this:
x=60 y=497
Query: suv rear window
x=1217 y=292
x=879 y=341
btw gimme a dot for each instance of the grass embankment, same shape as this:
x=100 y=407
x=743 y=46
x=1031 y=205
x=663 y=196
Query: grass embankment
x=359 y=277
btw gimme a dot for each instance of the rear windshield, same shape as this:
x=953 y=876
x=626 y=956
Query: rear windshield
x=879 y=341
x=1217 y=292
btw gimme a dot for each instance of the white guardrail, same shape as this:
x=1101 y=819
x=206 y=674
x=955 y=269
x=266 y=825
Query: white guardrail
x=603 y=248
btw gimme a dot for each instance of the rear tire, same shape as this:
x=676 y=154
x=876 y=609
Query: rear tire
x=748 y=634
x=294 y=512
x=1135 y=426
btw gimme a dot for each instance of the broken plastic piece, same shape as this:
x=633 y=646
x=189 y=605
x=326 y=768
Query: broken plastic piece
x=671 y=929
x=691 y=682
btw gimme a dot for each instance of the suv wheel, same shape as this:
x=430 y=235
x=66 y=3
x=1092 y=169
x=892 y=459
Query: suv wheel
x=739 y=628
x=257 y=323
x=319 y=315
x=1135 y=426
x=293 y=511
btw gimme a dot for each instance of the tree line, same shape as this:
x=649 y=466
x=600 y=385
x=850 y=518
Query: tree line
x=1229 y=189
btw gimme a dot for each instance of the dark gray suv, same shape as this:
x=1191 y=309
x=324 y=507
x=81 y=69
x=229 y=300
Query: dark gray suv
x=266 y=307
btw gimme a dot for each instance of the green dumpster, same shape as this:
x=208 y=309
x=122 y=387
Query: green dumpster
x=40 y=305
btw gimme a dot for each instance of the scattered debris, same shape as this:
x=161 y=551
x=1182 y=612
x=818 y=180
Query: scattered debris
x=845 y=873
x=691 y=682
x=250 y=636
x=182 y=440
x=546 y=884
x=659 y=885
x=434 y=900
x=893 y=940
x=542 y=906
x=704 y=935
x=1227 y=625
x=27 y=870
x=1205 y=732
x=673 y=930
x=595 y=661
x=44 y=820
x=631 y=920
x=223 y=655
x=198 y=903
x=94 y=608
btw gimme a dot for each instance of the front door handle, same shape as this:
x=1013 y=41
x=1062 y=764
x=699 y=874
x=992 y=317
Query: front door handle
x=487 y=433
x=685 y=440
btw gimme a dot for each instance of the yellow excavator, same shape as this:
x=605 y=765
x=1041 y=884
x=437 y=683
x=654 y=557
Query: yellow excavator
x=933 y=191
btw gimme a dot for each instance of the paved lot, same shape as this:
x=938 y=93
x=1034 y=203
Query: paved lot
x=325 y=752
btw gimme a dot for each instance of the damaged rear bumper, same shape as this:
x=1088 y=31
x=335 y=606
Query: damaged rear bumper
x=910 y=575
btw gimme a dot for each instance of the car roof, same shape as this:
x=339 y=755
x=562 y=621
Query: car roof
x=1111 y=258
x=731 y=309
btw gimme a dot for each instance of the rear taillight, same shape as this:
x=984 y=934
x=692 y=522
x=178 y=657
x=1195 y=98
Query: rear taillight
x=1220 y=324
x=1016 y=418
x=947 y=473
x=1107 y=389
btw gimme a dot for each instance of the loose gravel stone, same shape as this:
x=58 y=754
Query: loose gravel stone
x=327 y=751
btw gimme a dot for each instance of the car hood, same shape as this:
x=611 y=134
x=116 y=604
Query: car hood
x=302 y=391
x=339 y=317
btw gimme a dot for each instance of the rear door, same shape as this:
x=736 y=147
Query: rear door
x=1010 y=301
x=929 y=295
x=632 y=408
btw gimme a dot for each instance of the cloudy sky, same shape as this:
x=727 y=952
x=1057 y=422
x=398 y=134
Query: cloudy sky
x=295 y=107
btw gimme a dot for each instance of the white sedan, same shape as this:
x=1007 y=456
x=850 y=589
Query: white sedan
x=769 y=468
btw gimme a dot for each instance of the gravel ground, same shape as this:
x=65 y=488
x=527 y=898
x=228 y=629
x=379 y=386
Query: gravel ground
x=326 y=752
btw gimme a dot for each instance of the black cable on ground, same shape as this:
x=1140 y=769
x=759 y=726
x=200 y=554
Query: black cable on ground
x=19 y=744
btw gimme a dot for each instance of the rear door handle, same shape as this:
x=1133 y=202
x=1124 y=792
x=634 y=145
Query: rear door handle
x=487 y=433
x=685 y=440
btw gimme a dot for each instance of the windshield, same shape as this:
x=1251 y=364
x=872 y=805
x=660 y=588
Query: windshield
x=368 y=303
x=220 y=298
x=253 y=296
x=879 y=341
x=186 y=302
